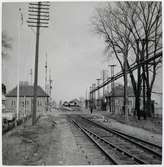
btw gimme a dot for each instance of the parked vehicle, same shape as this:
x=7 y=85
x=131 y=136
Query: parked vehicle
x=8 y=116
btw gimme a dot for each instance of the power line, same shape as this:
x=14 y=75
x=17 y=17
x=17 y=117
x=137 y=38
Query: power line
x=157 y=92
x=132 y=68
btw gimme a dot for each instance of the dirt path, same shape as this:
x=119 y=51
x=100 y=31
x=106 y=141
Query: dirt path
x=63 y=150
x=49 y=142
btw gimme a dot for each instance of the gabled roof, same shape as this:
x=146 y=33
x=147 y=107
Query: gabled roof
x=65 y=102
x=27 y=91
x=75 y=100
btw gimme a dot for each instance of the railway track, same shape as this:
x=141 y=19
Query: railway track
x=151 y=147
x=118 y=147
x=91 y=154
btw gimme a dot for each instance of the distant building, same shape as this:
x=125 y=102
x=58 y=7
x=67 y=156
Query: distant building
x=66 y=104
x=72 y=103
x=157 y=98
x=75 y=103
x=115 y=99
x=26 y=100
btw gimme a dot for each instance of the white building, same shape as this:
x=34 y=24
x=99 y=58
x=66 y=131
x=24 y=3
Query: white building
x=26 y=100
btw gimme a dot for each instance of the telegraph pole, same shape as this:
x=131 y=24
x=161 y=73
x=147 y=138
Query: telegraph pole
x=108 y=87
x=98 y=92
x=90 y=98
x=31 y=76
x=86 y=95
x=50 y=93
x=38 y=17
x=50 y=84
x=46 y=74
x=103 y=78
x=90 y=95
x=18 y=62
x=113 y=87
x=86 y=100
x=94 y=94
x=108 y=94
x=46 y=66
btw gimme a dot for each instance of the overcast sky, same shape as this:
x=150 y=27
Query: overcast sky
x=75 y=54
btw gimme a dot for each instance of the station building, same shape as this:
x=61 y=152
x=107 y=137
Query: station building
x=26 y=100
x=115 y=100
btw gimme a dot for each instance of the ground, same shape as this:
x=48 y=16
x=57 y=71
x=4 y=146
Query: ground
x=51 y=142
x=150 y=124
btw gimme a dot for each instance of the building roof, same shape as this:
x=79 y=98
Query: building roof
x=27 y=91
x=119 y=91
x=75 y=100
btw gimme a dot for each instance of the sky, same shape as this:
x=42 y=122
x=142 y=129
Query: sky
x=75 y=53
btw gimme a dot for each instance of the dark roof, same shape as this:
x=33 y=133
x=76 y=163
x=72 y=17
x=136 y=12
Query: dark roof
x=65 y=102
x=119 y=91
x=74 y=100
x=27 y=91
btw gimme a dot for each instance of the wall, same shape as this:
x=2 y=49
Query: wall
x=25 y=105
x=119 y=101
x=157 y=103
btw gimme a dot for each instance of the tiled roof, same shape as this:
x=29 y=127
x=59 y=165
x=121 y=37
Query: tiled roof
x=27 y=91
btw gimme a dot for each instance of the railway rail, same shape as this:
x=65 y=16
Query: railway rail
x=151 y=147
x=118 y=147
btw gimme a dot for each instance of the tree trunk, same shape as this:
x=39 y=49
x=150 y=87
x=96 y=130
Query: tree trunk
x=149 y=108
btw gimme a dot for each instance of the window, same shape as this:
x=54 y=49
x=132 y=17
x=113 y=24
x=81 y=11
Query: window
x=3 y=102
x=22 y=103
x=26 y=102
x=13 y=102
x=129 y=102
x=39 y=103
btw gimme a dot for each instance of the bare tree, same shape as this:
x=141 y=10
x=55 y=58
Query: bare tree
x=116 y=37
x=133 y=30
x=144 y=22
